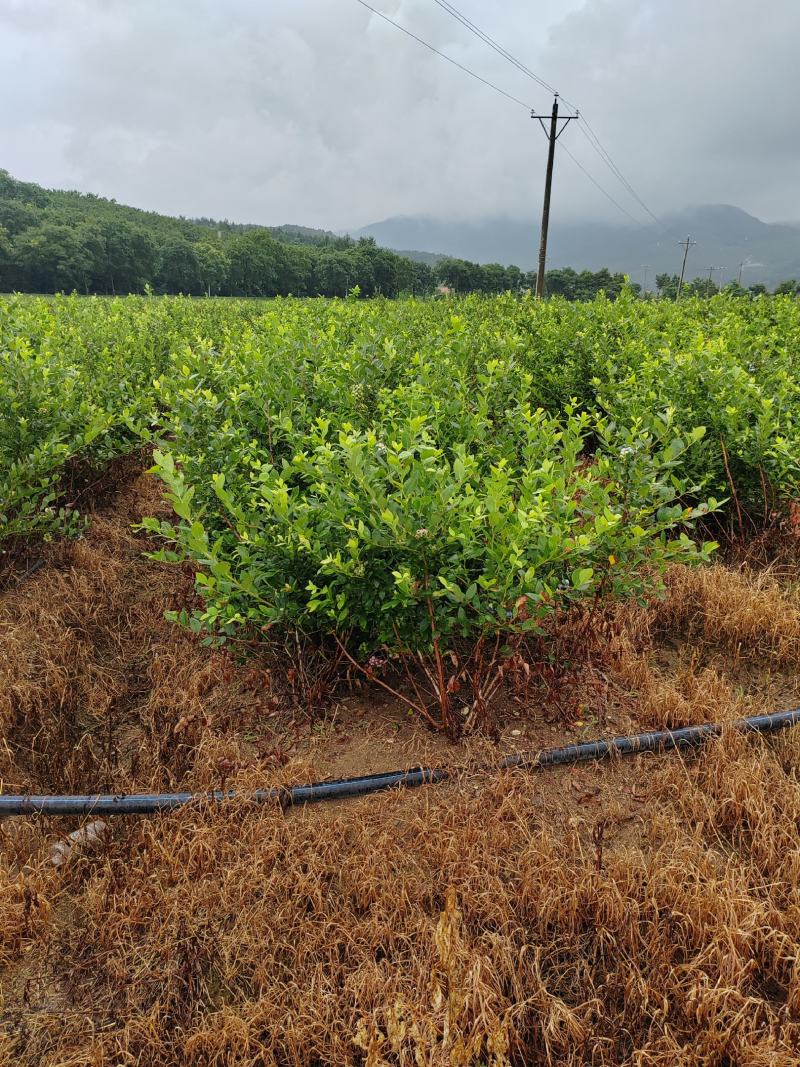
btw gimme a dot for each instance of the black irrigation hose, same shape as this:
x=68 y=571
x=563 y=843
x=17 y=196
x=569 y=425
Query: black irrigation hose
x=145 y=803
x=26 y=574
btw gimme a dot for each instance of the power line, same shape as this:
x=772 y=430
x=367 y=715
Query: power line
x=589 y=133
x=597 y=184
x=597 y=145
x=449 y=59
x=460 y=17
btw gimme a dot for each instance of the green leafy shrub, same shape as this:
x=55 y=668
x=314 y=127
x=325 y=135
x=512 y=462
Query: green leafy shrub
x=392 y=545
x=76 y=388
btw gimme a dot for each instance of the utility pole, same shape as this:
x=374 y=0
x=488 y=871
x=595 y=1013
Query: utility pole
x=711 y=277
x=686 y=245
x=645 y=268
x=553 y=135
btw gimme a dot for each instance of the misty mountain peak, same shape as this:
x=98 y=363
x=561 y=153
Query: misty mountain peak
x=725 y=236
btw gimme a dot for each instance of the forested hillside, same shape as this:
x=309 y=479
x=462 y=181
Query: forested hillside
x=52 y=241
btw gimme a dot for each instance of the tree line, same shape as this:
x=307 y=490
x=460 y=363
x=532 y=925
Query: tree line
x=667 y=287
x=55 y=241
x=52 y=241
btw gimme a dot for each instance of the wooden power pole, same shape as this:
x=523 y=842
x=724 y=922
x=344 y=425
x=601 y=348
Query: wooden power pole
x=686 y=245
x=553 y=135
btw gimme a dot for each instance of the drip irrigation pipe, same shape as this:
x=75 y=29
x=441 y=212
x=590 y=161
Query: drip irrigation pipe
x=26 y=574
x=145 y=803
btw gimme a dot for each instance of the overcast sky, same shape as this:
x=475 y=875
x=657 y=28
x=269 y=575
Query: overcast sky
x=317 y=112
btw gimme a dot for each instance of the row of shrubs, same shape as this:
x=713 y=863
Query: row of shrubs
x=411 y=479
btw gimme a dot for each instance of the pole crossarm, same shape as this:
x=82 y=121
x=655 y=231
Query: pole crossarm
x=566 y=119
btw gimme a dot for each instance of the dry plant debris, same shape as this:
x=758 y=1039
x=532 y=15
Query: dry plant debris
x=638 y=913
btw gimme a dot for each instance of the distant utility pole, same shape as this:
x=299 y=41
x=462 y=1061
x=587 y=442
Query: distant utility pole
x=686 y=245
x=711 y=276
x=742 y=265
x=645 y=268
x=552 y=135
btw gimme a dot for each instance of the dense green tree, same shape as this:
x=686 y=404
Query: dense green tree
x=52 y=257
x=21 y=199
x=457 y=274
x=332 y=274
x=16 y=216
x=667 y=285
x=128 y=258
x=701 y=287
x=585 y=285
x=255 y=260
x=405 y=276
x=360 y=259
x=734 y=288
x=495 y=278
x=213 y=265
x=562 y=282
x=590 y=283
x=423 y=279
x=297 y=270
x=178 y=268
x=514 y=278
x=385 y=272
x=790 y=287
x=6 y=254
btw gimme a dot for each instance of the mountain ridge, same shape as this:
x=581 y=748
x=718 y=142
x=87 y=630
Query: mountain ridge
x=726 y=237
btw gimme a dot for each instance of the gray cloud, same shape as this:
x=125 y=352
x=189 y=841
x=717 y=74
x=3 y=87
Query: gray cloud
x=315 y=111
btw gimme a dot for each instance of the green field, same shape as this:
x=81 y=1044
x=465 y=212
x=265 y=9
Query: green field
x=411 y=477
